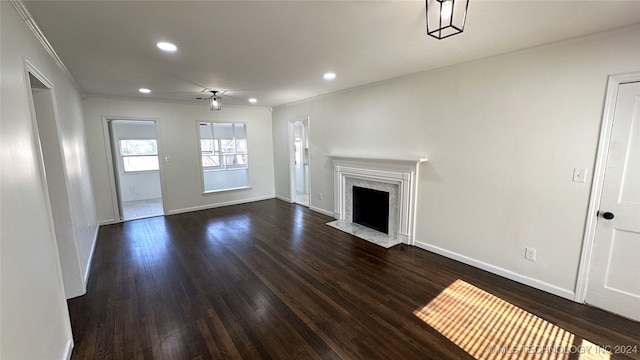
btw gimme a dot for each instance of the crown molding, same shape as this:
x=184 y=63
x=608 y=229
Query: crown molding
x=31 y=23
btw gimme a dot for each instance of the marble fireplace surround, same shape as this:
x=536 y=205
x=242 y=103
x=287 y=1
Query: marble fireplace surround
x=398 y=176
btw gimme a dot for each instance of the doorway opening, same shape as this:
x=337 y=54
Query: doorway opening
x=299 y=138
x=136 y=168
x=55 y=180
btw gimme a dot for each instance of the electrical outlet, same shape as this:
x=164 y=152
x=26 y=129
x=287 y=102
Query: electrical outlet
x=530 y=254
x=320 y=196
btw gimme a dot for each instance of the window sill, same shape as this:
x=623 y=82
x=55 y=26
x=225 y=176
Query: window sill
x=226 y=169
x=225 y=190
x=140 y=172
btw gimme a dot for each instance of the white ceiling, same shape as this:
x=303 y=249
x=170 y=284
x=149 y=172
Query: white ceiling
x=277 y=51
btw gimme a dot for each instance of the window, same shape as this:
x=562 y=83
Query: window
x=223 y=146
x=139 y=155
x=224 y=156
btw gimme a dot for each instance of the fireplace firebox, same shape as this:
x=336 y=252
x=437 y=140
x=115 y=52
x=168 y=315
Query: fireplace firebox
x=371 y=208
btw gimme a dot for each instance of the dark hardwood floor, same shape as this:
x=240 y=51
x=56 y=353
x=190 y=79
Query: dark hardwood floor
x=270 y=280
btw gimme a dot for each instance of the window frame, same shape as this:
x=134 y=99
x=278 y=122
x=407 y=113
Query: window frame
x=220 y=154
x=122 y=156
x=223 y=166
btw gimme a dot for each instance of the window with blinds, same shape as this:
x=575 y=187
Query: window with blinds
x=224 y=156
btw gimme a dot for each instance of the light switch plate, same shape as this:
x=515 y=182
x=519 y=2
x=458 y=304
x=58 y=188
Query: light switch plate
x=579 y=175
x=530 y=254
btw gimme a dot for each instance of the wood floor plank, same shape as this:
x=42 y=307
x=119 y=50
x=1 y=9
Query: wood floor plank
x=269 y=280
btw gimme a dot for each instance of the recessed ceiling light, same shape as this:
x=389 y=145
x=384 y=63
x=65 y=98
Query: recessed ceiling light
x=144 y=90
x=253 y=100
x=329 y=76
x=165 y=46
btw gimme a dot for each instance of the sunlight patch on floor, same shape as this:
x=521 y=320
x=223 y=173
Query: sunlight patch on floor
x=488 y=327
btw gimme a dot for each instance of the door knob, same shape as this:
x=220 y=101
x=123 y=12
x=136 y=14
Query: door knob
x=608 y=215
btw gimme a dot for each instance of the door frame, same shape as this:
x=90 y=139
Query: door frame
x=109 y=150
x=292 y=160
x=73 y=288
x=598 y=180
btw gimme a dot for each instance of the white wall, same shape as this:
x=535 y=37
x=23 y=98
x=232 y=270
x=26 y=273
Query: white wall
x=35 y=321
x=502 y=135
x=178 y=139
x=136 y=186
x=228 y=179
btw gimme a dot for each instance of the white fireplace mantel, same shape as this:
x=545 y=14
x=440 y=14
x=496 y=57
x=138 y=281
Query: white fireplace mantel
x=410 y=160
x=401 y=172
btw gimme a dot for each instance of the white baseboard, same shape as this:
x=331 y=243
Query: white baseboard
x=312 y=208
x=93 y=250
x=212 y=206
x=322 y=211
x=283 y=198
x=107 y=222
x=535 y=283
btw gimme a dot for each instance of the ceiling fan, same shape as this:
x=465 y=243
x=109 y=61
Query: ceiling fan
x=214 y=97
x=215 y=101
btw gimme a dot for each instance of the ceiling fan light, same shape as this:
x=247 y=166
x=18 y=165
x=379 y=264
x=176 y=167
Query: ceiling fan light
x=446 y=10
x=215 y=102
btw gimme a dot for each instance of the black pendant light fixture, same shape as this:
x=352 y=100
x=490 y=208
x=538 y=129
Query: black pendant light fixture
x=446 y=17
x=215 y=102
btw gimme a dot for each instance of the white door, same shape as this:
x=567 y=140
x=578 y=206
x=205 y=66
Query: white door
x=614 y=275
